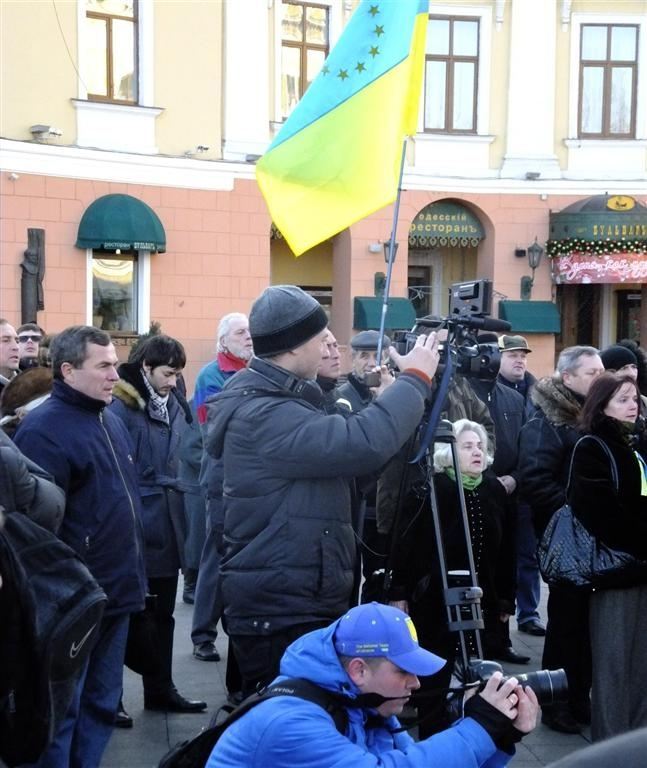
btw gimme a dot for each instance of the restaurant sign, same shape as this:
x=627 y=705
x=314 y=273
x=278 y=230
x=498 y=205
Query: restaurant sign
x=444 y=223
x=611 y=268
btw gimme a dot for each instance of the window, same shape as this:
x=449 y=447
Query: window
x=115 y=291
x=304 y=47
x=608 y=78
x=110 y=53
x=451 y=74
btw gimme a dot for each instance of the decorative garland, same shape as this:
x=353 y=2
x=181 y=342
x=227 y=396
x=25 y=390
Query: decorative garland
x=594 y=247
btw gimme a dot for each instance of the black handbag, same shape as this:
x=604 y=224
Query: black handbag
x=569 y=554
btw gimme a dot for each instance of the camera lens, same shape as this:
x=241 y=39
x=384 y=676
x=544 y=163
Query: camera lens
x=550 y=685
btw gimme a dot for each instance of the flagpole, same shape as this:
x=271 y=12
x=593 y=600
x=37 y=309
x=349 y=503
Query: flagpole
x=391 y=257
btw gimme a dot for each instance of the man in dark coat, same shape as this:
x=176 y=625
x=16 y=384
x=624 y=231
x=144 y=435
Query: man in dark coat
x=514 y=376
x=289 y=558
x=546 y=444
x=88 y=451
x=156 y=415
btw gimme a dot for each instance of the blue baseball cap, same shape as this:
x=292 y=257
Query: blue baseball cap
x=376 y=630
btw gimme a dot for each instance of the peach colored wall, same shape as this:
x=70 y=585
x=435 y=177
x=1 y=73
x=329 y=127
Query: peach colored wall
x=218 y=254
x=217 y=257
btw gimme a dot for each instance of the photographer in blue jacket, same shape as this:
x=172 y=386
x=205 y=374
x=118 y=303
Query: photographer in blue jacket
x=371 y=658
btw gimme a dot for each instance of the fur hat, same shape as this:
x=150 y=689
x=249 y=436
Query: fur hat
x=282 y=318
x=616 y=357
x=26 y=387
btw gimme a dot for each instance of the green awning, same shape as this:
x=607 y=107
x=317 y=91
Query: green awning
x=367 y=313
x=531 y=316
x=121 y=222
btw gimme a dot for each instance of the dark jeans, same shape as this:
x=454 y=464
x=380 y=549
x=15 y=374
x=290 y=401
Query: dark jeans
x=568 y=642
x=528 y=578
x=88 y=725
x=165 y=588
x=259 y=656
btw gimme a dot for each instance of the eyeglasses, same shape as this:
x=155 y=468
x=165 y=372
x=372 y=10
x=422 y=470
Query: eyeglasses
x=24 y=339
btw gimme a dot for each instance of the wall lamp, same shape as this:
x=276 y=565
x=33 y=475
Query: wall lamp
x=41 y=132
x=387 y=245
x=535 y=252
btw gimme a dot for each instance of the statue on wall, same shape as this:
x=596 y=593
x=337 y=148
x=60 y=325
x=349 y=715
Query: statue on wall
x=33 y=271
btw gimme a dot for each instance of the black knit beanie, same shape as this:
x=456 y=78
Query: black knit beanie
x=282 y=318
x=616 y=357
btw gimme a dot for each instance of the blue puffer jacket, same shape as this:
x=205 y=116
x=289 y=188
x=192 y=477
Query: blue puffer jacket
x=288 y=732
x=88 y=451
x=289 y=544
x=157 y=457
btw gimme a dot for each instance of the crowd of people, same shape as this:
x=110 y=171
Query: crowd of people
x=284 y=493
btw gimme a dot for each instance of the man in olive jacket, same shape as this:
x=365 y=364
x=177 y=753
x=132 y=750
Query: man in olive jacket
x=289 y=544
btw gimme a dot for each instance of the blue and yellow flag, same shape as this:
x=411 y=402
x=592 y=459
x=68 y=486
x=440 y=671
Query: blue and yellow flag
x=337 y=158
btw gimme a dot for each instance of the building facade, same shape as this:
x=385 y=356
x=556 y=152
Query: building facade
x=130 y=128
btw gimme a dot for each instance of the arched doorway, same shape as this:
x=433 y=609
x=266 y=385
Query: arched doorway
x=443 y=244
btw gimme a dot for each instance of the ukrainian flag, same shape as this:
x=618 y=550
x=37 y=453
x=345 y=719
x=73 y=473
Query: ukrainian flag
x=337 y=158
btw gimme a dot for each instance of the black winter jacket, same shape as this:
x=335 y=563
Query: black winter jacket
x=545 y=446
x=289 y=544
x=507 y=409
x=157 y=456
x=617 y=519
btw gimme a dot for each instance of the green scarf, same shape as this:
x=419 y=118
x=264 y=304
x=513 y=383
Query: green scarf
x=469 y=483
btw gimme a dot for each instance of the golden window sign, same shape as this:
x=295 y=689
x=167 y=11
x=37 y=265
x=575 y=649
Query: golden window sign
x=442 y=224
x=620 y=230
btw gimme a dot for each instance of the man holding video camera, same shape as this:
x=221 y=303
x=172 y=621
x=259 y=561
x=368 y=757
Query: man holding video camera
x=368 y=662
x=290 y=549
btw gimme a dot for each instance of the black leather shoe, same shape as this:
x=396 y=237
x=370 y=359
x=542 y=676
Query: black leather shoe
x=172 y=702
x=532 y=627
x=206 y=651
x=509 y=655
x=122 y=718
x=560 y=720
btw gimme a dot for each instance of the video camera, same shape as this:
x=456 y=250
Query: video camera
x=470 y=305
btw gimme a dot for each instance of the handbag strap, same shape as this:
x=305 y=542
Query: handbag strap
x=605 y=448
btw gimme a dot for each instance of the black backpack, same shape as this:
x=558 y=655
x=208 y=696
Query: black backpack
x=55 y=608
x=195 y=752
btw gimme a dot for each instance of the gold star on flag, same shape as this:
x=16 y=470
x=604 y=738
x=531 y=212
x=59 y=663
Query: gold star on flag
x=379 y=30
x=343 y=74
x=373 y=51
x=360 y=66
x=374 y=10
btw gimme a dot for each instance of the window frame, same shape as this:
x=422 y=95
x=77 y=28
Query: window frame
x=143 y=290
x=304 y=46
x=608 y=65
x=450 y=60
x=108 y=17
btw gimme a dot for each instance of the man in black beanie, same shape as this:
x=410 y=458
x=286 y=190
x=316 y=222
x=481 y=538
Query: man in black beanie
x=290 y=550
x=619 y=359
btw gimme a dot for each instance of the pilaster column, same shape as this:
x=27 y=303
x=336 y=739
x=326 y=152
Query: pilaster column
x=531 y=91
x=246 y=118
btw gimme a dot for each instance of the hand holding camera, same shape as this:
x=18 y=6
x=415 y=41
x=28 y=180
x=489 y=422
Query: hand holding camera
x=423 y=356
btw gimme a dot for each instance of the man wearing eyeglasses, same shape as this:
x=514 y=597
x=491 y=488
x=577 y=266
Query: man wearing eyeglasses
x=29 y=337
